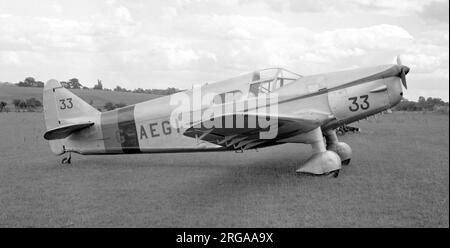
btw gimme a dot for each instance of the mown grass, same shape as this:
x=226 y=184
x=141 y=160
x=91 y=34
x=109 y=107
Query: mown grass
x=399 y=177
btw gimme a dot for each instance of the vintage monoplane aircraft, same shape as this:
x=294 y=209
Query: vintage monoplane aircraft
x=308 y=110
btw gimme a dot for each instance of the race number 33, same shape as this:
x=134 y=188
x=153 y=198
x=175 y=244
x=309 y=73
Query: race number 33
x=65 y=103
x=356 y=106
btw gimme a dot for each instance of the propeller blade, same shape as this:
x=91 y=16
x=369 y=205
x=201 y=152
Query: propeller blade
x=399 y=60
x=403 y=78
x=403 y=71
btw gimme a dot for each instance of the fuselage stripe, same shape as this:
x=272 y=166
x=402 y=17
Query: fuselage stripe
x=119 y=131
x=127 y=129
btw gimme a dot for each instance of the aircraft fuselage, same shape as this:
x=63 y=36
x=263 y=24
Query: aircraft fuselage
x=146 y=127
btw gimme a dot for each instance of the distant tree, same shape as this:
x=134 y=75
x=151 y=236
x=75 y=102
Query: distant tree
x=171 y=91
x=406 y=105
x=37 y=103
x=120 y=105
x=433 y=103
x=22 y=104
x=421 y=103
x=32 y=103
x=118 y=88
x=16 y=103
x=30 y=82
x=40 y=84
x=64 y=84
x=2 y=105
x=99 y=85
x=139 y=90
x=85 y=88
x=429 y=104
x=442 y=109
x=75 y=84
x=72 y=84
x=168 y=91
x=22 y=84
x=109 y=106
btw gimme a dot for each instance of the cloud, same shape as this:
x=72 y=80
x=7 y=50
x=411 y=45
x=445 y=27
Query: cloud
x=123 y=14
x=245 y=43
x=437 y=11
x=186 y=58
x=232 y=41
x=421 y=63
x=187 y=41
x=43 y=33
x=433 y=84
x=168 y=13
x=57 y=8
x=261 y=41
x=384 y=36
x=9 y=58
x=390 y=7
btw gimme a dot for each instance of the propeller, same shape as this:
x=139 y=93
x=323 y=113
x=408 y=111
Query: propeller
x=403 y=71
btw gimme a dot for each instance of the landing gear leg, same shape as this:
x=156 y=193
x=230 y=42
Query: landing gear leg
x=342 y=149
x=322 y=162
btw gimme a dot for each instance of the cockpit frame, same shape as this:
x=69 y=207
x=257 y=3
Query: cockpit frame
x=277 y=78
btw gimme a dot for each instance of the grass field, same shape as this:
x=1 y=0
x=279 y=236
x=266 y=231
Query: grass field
x=399 y=177
x=99 y=97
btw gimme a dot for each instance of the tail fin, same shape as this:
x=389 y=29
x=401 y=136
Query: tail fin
x=64 y=113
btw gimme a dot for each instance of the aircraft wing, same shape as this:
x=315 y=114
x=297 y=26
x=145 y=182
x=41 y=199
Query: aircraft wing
x=249 y=137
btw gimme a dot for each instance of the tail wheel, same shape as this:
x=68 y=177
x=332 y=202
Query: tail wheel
x=67 y=160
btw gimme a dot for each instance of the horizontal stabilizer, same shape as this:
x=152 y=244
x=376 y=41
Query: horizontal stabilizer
x=63 y=131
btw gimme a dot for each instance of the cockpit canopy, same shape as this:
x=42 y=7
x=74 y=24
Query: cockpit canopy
x=268 y=80
x=258 y=83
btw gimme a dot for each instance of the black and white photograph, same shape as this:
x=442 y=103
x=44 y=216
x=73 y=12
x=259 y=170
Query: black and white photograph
x=224 y=114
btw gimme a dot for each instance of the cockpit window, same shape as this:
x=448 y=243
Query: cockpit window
x=268 y=80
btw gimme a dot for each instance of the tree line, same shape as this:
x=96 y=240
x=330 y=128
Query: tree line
x=163 y=92
x=74 y=83
x=32 y=104
x=428 y=104
x=21 y=105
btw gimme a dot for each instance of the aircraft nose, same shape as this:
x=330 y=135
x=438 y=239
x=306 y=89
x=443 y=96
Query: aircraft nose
x=406 y=69
x=395 y=89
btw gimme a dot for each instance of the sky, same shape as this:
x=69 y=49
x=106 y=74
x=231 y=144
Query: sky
x=178 y=43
